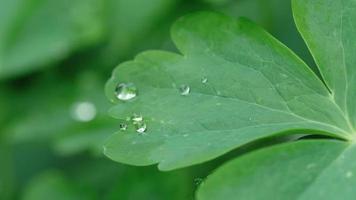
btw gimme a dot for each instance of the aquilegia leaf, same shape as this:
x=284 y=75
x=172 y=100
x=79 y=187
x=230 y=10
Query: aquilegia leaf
x=317 y=169
x=239 y=84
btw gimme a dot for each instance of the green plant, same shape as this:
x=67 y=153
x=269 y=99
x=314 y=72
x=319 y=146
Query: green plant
x=235 y=84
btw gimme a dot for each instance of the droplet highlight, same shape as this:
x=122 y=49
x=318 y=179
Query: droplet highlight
x=136 y=118
x=349 y=174
x=198 y=181
x=184 y=90
x=141 y=127
x=126 y=91
x=204 y=80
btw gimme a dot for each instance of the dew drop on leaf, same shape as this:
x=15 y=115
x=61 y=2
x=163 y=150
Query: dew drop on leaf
x=136 y=118
x=141 y=127
x=83 y=111
x=204 y=80
x=198 y=181
x=184 y=90
x=123 y=127
x=126 y=91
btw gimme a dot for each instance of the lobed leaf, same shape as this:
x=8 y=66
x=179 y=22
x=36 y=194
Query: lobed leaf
x=256 y=88
x=329 y=27
x=315 y=169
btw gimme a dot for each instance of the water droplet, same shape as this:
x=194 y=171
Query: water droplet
x=184 y=90
x=198 y=181
x=141 y=127
x=83 y=111
x=123 y=127
x=126 y=91
x=349 y=174
x=185 y=135
x=136 y=118
x=204 y=80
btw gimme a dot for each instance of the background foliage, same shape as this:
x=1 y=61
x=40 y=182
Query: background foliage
x=56 y=54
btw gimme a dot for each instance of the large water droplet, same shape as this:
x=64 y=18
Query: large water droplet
x=126 y=91
x=184 y=90
x=204 y=80
x=123 y=127
x=83 y=111
x=141 y=127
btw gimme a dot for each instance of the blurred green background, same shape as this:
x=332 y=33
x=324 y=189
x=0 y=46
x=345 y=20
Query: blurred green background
x=55 y=57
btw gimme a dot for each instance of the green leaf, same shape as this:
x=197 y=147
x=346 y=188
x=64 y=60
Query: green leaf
x=25 y=120
x=329 y=28
x=124 y=37
x=314 y=169
x=326 y=169
x=54 y=185
x=256 y=88
x=37 y=33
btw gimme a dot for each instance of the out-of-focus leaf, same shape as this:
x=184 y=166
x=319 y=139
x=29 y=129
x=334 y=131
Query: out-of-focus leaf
x=53 y=185
x=150 y=184
x=130 y=23
x=35 y=33
x=52 y=114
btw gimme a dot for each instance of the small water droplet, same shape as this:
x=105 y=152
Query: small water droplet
x=204 y=80
x=83 y=111
x=141 y=127
x=184 y=90
x=185 y=135
x=136 y=118
x=126 y=91
x=198 y=181
x=123 y=127
x=349 y=174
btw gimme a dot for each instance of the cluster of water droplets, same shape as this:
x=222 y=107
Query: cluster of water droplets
x=128 y=91
x=137 y=121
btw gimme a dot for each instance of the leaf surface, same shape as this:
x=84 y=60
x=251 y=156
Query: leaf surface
x=37 y=33
x=329 y=27
x=256 y=88
x=314 y=169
